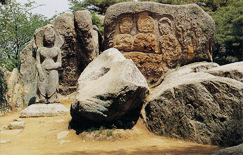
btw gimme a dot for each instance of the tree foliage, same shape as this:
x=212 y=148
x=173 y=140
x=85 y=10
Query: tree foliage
x=99 y=6
x=229 y=31
x=17 y=27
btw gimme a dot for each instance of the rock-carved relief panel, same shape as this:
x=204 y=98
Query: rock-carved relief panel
x=175 y=38
x=136 y=36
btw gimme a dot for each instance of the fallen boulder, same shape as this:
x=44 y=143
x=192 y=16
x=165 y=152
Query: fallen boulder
x=108 y=88
x=197 y=107
x=17 y=125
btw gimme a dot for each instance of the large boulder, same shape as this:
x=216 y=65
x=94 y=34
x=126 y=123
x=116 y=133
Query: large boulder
x=108 y=88
x=197 y=107
x=167 y=35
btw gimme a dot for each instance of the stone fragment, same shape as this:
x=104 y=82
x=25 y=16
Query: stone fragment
x=44 y=110
x=197 y=107
x=16 y=125
x=17 y=119
x=64 y=141
x=180 y=34
x=11 y=132
x=62 y=134
x=108 y=88
x=60 y=120
x=4 y=141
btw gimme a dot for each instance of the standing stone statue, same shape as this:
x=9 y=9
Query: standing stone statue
x=48 y=61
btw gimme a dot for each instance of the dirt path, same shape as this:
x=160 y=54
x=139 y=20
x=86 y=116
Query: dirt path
x=40 y=137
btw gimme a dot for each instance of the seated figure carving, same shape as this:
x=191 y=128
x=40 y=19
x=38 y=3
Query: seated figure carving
x=124 y=41
x=169 y=44
x=145 y=41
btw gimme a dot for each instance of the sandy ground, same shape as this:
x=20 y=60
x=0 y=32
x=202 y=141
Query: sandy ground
x=40 y=137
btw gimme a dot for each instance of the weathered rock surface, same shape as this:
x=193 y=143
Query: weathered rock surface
x=108 y=88
x=149 y=64
x=28 y=73
x=233 y=71
x=191 y=68
x=176 y=35
x=44 y=110
x=17 y=125
x=12 y=81
x=69 y=71
x=198 y=107
x=235 y=150
x=15 y=91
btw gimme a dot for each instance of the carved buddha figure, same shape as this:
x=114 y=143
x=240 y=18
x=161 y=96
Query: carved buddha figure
x=48 y=61
x=124 y=40
x=145 y=41
x=169 y=44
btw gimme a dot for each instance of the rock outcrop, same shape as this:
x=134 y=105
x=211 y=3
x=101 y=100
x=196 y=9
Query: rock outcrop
x=169 y=35
x=197 y=106
x=108 y=88
x=81 y=46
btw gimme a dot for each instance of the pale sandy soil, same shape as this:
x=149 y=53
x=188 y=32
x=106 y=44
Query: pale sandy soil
x=40 y=137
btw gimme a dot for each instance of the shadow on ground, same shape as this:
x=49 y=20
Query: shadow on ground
x=126 y=122
x=190 y=150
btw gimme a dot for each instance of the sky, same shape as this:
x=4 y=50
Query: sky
x=51 y=8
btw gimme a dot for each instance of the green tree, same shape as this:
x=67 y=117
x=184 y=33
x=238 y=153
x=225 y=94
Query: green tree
x=17 y=27
x=99 y=6
x=229 y=31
